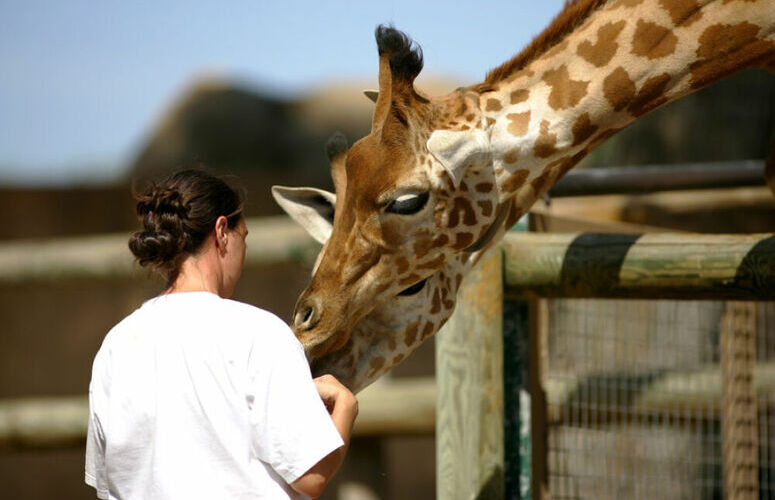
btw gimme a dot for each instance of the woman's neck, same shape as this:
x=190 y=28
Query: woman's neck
x=197 y=274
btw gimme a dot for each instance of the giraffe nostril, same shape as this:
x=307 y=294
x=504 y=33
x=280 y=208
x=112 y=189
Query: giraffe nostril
x=307 y=315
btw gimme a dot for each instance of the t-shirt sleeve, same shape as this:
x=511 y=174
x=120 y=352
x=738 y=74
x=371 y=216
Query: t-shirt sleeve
x=95 y=474
x=290 y=426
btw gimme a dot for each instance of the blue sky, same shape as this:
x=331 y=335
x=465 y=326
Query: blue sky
x=83 y=82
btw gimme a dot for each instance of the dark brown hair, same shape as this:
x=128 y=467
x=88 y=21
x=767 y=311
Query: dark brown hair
x=177 y=215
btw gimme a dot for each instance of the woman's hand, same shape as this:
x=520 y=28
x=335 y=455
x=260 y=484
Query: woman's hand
x=336 y=396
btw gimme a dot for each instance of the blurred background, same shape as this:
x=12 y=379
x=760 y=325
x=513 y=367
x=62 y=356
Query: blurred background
x=98 y=96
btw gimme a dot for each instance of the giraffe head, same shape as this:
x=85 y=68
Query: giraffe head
x=411 y=196
x=395 y=327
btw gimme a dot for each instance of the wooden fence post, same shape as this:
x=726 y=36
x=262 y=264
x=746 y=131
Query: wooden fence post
x=469 y=404
x=739 y=409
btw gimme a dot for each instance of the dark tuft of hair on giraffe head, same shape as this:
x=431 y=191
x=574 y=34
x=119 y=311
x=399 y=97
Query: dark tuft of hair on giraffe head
x=405 y=56
x=336 y=145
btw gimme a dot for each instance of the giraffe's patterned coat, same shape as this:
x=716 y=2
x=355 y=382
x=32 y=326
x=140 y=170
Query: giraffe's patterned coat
x=483 y=154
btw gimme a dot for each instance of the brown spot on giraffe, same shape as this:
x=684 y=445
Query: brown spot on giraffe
x=431 y=264
x=376 y=364
x=422 y=246
x=490 y=121
x=569 y=164
x=440 y=240
x=511 y=156
x=436 y=302
x=486 y=207
x=518 y=96
x=516 y=181
x=493 y=105
x=463 y=240
x=461 y=205
x=682 y=12
x=402 y=264
x=519 y=123
x=545 y=145
x=601 y=53
x=391 y=343
x=398 y=359
x=726 y=49
x=653 y=41
x=626 y=3
x=409 y=280
x=650 y=96
x=566 y=92
x=410 y=334
x=583 y=129
x=448 y=304
x=427 y=330
x=514 y=215
x=458 y=280
x=618 y=88
x=469 y=117
x=484 y=187
x=545 y=180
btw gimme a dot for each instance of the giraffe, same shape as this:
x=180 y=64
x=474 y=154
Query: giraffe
x=439 y=179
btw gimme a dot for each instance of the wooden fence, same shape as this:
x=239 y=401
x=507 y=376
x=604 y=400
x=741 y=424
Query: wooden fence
x=476 y=458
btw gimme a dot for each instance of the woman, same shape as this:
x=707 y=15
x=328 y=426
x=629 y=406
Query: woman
x=197 y=396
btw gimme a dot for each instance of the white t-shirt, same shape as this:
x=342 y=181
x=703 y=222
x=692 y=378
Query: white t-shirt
x=195 y=396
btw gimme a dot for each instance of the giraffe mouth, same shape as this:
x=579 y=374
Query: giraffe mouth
x=414 y=289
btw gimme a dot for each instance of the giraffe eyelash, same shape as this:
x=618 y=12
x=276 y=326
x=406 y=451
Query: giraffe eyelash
x=414 y=289
x=408 y=204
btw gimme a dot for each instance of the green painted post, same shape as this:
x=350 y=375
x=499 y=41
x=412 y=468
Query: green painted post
x=516 y=395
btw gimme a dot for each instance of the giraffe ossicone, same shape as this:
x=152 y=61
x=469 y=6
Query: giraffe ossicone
x=439 y=179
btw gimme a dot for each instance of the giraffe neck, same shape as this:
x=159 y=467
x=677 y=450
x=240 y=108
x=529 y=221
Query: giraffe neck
x=625 y=59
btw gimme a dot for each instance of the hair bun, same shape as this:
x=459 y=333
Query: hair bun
x=162 y=200
x=163 y=237
x=159 y=248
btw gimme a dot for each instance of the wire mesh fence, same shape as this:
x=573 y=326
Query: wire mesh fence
x=659 y=399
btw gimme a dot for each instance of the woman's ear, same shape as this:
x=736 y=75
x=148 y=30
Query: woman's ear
x=221 y=232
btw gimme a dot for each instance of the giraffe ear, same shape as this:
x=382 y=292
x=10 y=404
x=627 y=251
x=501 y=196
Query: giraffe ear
x=312 y=208
x=372 y=95
x=459 y=150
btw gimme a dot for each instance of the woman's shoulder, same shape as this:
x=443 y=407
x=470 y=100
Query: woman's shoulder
x=254 y=313
x=256 y=322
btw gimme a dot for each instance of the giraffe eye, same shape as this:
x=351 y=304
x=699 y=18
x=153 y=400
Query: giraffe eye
x=408 y=204
x=414 y=289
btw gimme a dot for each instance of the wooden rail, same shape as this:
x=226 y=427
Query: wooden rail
x=388 y=407
x=684 y=396
x=408 y=406
x=271 y=240
x=663 y=265
x=639 y=179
